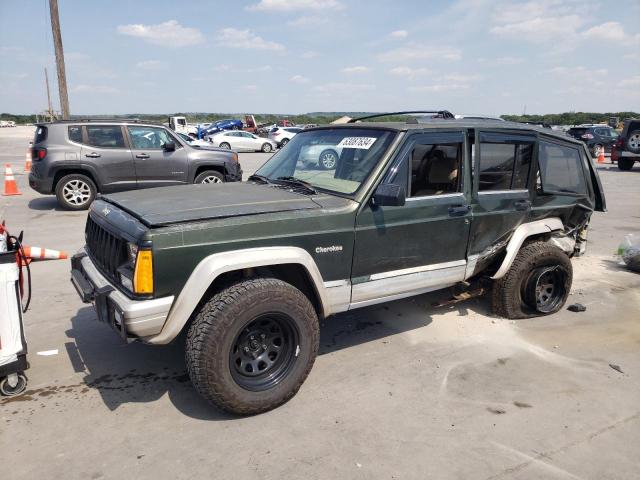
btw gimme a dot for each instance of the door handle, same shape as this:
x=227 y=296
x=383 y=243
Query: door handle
x=459 y=210
x=522 y=205
x=142 y=155
x=92 y=155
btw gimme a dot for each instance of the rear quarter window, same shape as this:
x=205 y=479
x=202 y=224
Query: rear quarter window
x=561 y=169
x=41 y=134
x=105 y=136
x=75 y=133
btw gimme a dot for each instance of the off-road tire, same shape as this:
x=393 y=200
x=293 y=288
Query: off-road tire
x=214 y=331
x=632 y=143
x=507 y=293
x=625 y=163
x=68 y=180
x=209 y=176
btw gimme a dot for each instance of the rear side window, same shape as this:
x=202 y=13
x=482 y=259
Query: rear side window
x=560 y=169
x=105 y=136
x=75 y=134
x=41 y=134
x=504 y=161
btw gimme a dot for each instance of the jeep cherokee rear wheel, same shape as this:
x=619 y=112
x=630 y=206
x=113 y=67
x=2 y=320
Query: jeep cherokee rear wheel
x=252 y=345
x=538 y=283
x=75 y=191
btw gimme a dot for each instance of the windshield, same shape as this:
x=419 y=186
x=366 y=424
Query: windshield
x=335 y=159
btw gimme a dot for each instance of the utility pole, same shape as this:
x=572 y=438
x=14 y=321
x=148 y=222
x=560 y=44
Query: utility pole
x=46 y=78
x=57 y=43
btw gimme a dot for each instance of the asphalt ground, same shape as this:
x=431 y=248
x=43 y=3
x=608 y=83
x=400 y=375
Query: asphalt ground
x=403 y=390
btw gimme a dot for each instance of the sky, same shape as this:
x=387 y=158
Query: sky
x=295 y=56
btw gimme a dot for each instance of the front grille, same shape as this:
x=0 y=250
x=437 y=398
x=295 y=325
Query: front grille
x=106 y=250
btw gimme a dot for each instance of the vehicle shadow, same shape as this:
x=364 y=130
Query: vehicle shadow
x=45 y=204
x=142 y=373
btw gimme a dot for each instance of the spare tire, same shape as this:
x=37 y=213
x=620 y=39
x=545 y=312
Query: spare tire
x=633 y=142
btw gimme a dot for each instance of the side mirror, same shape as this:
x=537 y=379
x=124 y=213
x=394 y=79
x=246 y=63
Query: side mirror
x=389 y=194
x=169 y=147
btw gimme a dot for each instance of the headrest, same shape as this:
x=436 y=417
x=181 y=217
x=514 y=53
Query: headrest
x=443 y=170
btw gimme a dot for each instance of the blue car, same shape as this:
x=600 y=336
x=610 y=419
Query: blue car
x=220 y=125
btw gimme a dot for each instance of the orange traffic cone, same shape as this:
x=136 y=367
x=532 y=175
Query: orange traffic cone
x=39 y=253
x=27 y=161
x=601 y=155
x=10 y=185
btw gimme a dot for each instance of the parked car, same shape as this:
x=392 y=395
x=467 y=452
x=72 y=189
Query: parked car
x=320 y=155
x=194 y=142
x=221 y=125
x=282 y=135
x=595 y=137
x=78 y=159
x=249 y=270
x=626 y=150
x=240 y=141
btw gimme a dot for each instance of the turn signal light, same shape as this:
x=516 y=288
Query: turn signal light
x=143 y=274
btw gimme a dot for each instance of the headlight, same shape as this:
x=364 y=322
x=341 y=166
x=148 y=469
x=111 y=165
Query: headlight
x=132 y=249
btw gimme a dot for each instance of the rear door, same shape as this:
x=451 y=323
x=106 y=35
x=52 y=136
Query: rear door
x=422 y=245
x=502 y=165
x=105 y=150
x=155 y=166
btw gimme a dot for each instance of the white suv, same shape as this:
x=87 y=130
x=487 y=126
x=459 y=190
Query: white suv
x=282 y=135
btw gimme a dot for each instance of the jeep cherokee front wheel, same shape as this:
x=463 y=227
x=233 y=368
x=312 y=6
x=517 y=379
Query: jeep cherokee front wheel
x=252 y=345
x=538 y=283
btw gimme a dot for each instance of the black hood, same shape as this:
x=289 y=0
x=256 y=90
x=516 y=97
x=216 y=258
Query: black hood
x=169 y=205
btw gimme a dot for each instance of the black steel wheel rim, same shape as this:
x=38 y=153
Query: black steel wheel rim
x=264 y=351
x=546 y=288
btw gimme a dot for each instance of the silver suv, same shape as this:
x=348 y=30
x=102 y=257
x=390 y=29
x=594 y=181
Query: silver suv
x=77 y=159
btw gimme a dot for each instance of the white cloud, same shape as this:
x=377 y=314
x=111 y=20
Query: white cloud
x=94 y=89
x=235 y=69
x=343 y=88
x=418 y=51
x=295 y=5
x=234 y=38
x=307 y=21
x=151 y=65
x=309 y=54
x=357 y=69
x=578 y=72
x=299 y=79
x=438 y=88
x=399 y=34
x=250 y=88
x=611 y=31
x=506 y=61
x=409 y=72
x=167 y=34
x=630 y=82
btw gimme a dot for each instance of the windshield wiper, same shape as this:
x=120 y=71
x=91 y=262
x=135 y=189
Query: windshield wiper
x=298 y=182
x=259 y=178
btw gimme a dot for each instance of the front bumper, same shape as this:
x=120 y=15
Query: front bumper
x=233 y=172
x=130 y=318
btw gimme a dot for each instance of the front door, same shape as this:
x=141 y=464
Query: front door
x=104 y=152
x=155 y=166
x=422 y=245
x=502 y=197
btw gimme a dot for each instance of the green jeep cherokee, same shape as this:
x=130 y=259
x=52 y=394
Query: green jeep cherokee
x=248 y=269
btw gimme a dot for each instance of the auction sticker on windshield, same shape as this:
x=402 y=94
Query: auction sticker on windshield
x=357 y=142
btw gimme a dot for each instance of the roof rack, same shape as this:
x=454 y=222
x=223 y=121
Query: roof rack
x=440 y=113
x=105 y=119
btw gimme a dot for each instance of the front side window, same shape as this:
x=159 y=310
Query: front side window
x=333 y=159
x=560 y=169
x=148 y=138
x=75 y=134
x=504 y=162
x=434 y=166
x=105 y=136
